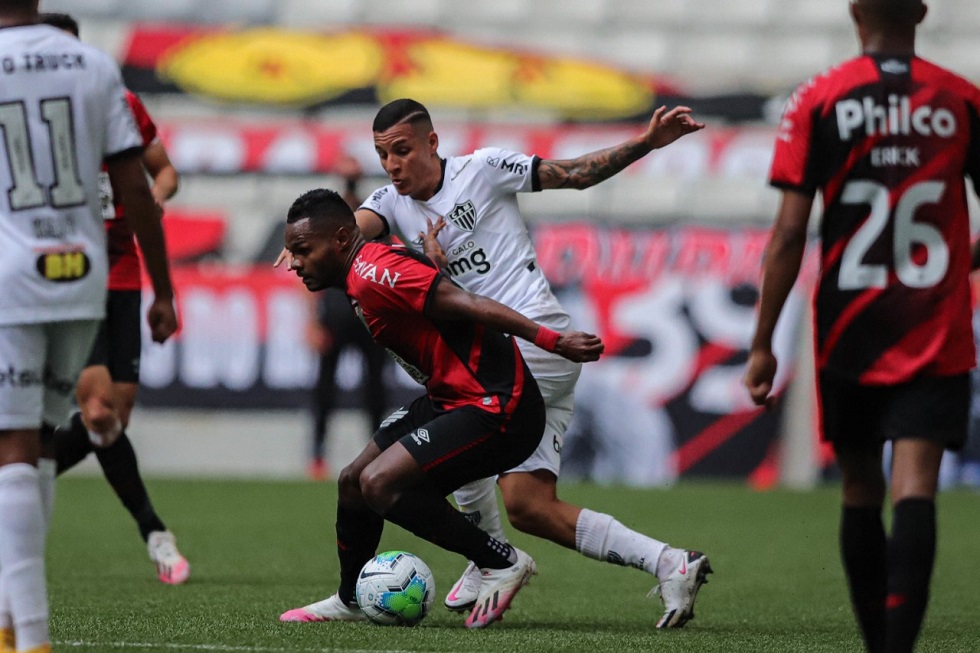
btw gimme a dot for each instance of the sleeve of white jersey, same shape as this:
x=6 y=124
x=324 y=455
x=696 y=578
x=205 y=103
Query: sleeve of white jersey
x=507 y=171
x=121 y=133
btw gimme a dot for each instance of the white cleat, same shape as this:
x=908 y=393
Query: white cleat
x=172 y=568
x=498 y=587
x=329 y=609
x=462 y=595
x=679 y=589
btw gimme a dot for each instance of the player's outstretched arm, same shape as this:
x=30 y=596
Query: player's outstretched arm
x=451 y=302
x=129 y=180
x=783 y=258
x=589 y=169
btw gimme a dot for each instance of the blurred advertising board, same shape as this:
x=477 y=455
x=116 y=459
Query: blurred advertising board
x=675 y=306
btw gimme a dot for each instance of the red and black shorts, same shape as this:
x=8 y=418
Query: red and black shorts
x=929 y=408
x=117 y=345
x=465 y=444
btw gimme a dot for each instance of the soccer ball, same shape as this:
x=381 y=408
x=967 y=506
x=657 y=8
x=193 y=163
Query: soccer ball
x=395 y=588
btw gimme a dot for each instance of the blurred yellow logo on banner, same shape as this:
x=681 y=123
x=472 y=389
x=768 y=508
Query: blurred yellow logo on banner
x=273 y=66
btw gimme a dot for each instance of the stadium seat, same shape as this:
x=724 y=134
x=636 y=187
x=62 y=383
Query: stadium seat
x=643 y=50
x=721 y=59
x=564 y=204
x=638 y=14
x=641 y=199
x=106 y=34
x=329 y=14
x=461 y=16
x=812 y=15
x=724 y=13
x=585 y=15
x=85 y=8
x=725 y=199
x=423 y=13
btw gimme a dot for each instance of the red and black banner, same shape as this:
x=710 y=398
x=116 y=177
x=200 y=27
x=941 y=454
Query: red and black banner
x=307 y=70
x=675 y=307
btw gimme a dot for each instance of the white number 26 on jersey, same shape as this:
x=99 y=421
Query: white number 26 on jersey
x=25 y=191
x=857 y=275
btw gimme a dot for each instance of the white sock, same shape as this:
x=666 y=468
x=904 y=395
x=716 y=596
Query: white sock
x=478 y=501
x=22 y=553
x=47 y=473
x=601 y=537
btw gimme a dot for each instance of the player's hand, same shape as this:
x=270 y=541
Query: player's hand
x=431 y=246
x=162 y=318
x=348 y=167
x=667 y=126
x=284 y=255
x=579 y=347
x=759 y=374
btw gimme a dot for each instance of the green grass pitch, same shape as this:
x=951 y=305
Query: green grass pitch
x=259 y=548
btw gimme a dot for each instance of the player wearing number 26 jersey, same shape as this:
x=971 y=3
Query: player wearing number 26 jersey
x=887 y=140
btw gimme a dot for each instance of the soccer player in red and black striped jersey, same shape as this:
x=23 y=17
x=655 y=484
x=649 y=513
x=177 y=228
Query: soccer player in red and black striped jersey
x=482 y=413
x=110 y=380
x=887 y=138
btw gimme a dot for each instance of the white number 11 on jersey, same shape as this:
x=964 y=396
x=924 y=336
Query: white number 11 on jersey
x=26 y=191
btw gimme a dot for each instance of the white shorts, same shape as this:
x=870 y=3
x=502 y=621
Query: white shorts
x=556 y=377
x=39 y=366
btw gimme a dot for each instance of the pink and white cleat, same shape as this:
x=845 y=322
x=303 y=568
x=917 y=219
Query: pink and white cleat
x=329 y=609
x=172 y=568
x=498 y=587
x=462 y=595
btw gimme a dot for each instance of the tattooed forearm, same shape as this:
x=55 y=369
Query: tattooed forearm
x=590 y=169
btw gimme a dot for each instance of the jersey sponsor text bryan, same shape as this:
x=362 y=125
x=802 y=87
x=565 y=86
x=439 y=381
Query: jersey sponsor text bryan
x=369 y=272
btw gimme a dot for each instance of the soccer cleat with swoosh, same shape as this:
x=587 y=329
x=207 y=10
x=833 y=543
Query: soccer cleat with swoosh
x=680 y=588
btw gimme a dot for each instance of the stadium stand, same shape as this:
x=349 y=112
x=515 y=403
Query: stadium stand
x=709 y=46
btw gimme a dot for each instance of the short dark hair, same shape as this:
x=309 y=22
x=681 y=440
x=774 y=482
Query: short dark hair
x=321 y=205
x=61 y=21
x=403 y=110
x=895 y=13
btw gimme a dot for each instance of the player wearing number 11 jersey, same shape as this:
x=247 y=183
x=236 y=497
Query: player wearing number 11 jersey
x=62 y=113
x=887 y=139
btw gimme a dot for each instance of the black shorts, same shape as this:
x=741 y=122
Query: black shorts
x=930 y=408
x=117 y=345
x=466 y=444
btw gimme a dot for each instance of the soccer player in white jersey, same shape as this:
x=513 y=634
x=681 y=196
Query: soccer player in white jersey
x=62 y=112
x=464 y=210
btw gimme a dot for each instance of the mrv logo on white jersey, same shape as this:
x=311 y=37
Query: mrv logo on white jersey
x=897 y=118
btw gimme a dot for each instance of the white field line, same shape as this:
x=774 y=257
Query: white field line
x=219 y=648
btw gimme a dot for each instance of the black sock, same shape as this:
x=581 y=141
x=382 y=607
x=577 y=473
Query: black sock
x=911 y=554
x=863 y=551
x=358 y=535
x=122 y=471
x=429 y=516
x=71 y=444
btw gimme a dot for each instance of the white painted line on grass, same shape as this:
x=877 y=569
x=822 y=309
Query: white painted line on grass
x=220 y=648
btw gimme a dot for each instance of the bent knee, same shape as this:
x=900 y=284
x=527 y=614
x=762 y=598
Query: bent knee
x=348 y=487
x=529 y=514
x=100 y=416
x=376 y=489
